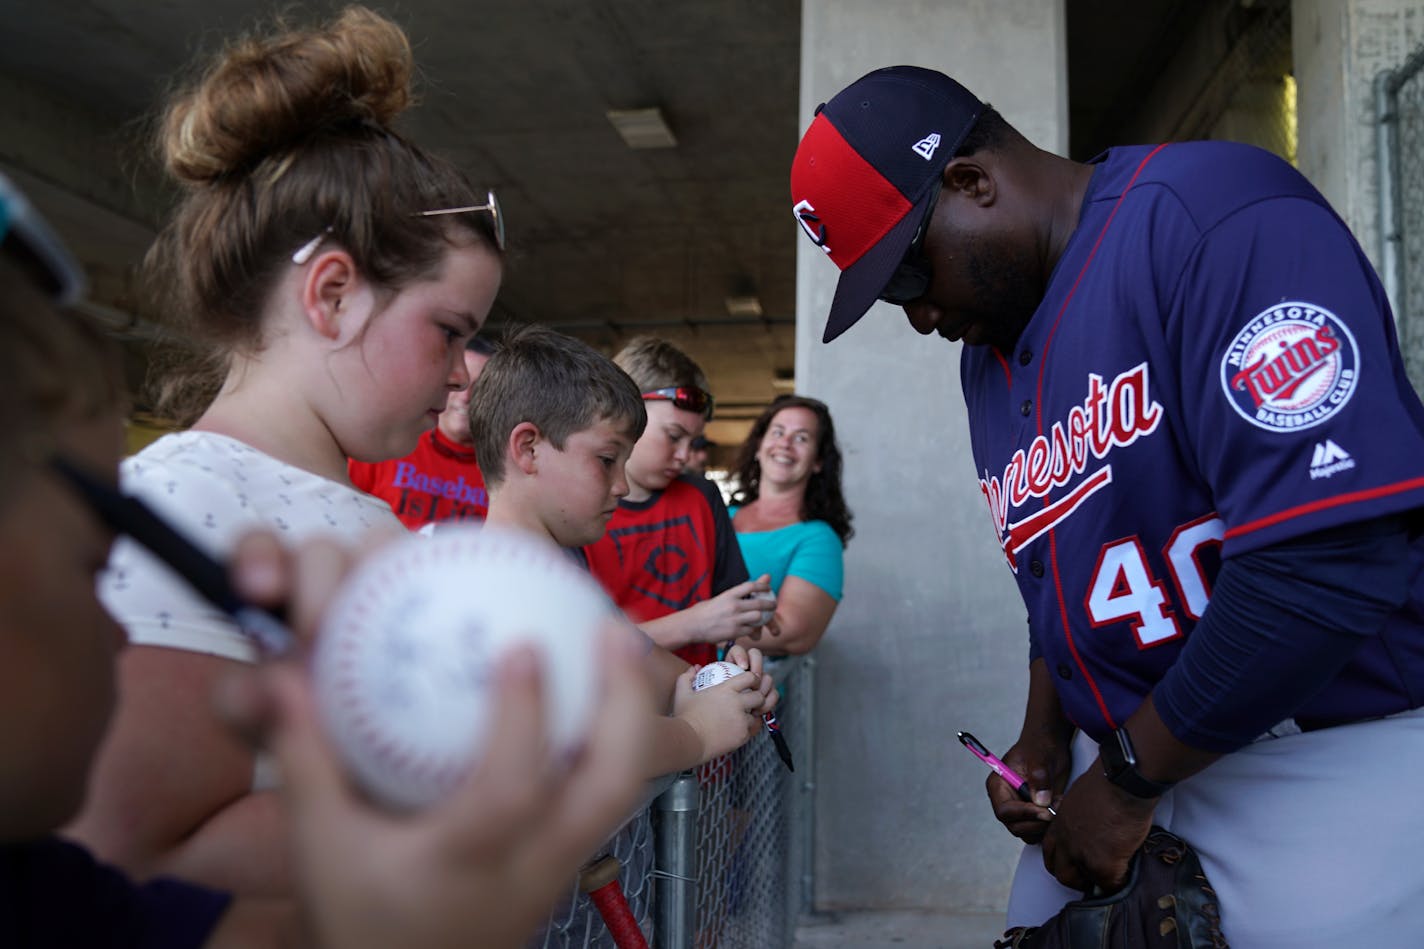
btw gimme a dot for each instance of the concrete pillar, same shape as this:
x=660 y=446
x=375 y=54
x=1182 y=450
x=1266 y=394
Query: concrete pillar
x=931 y=636
x=1339 y=48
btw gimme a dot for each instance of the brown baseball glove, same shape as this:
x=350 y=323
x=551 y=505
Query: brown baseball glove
x=1167 y=904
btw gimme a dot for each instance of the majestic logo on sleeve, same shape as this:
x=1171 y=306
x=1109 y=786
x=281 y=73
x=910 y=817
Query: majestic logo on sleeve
x=1329 y=459
x=1114 y=415
x=1293 y=366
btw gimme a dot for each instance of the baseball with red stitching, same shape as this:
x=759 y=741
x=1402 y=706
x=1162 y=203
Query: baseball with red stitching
x=715 y=673
x=404 y=664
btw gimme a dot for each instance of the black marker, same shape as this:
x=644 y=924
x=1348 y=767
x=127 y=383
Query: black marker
x=131 y=517
x=783 y=750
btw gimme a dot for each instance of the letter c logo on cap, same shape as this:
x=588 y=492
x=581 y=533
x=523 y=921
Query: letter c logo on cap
x=806 y=216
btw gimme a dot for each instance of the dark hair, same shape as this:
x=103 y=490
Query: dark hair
x=56 y=367
x=990 y=133
x=283 y=139
x=559 y=383
x=823 y=500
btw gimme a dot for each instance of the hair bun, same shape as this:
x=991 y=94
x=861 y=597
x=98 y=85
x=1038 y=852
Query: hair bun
x=263 y=95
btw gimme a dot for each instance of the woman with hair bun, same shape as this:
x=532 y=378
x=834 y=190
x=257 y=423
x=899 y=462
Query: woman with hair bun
x=791 y=519
x=330 y=273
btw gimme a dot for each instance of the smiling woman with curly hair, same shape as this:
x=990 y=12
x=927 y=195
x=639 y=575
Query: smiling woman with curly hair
x=791 y=519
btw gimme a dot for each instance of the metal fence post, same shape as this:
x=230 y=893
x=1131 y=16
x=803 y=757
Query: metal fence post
x=1390 y=238
x=675 y=892
x=805 y=809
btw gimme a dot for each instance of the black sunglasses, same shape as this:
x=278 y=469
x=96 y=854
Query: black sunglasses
x=131 y=517
x=911 y=279
x=689 y=398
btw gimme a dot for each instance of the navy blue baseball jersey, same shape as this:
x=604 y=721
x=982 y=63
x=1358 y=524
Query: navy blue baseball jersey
x=1213 y=369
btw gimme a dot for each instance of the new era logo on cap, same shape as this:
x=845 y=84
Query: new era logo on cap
x=866 y=162
x=927 y=146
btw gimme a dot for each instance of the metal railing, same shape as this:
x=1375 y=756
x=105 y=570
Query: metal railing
x=722 y=856
x=1399 y=123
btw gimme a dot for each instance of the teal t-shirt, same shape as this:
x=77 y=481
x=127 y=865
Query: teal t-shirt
x=810 y=550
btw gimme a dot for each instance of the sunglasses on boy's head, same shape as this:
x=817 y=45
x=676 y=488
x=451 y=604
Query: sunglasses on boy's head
x=689 y=398
x=911 y=280
x=304 y=253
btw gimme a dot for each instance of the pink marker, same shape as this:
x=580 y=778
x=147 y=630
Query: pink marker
x=1019 y=785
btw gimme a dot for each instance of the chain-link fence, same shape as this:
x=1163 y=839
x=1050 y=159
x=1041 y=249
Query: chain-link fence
x=751 y=830
x=1249 y=95
x=1399 y=106
x=721 y=857
x=576 y=923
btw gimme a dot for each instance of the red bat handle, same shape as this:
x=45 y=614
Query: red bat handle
x=600 y=881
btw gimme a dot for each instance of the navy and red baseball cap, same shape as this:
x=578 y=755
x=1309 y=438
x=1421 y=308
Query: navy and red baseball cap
x=867 y=170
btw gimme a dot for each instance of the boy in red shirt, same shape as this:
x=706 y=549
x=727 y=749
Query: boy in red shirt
x=670 y=558
x=440 y=480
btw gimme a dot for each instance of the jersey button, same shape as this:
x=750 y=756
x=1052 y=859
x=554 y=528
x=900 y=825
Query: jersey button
x=1027 y=407
x=1025 y=357
x=1064 y=672
x=1036 y=568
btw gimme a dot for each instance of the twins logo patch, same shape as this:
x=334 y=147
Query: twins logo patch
x=1292 y=367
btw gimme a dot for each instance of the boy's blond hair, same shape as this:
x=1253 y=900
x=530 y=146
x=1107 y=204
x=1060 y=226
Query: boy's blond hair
x=657 y=364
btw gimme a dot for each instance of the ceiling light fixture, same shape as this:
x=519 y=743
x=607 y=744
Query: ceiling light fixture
x=744 y=305
x=642 y=128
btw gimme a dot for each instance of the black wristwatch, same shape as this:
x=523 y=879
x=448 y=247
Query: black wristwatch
x=1120 y=765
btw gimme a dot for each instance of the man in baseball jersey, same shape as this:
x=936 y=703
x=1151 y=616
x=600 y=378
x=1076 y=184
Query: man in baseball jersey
x=1203 y=462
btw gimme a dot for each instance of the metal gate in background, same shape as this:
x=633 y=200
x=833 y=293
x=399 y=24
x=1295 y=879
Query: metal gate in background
x=1399 y=117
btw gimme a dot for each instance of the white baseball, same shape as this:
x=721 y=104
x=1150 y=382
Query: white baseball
x=404 y=662
x=715 y=673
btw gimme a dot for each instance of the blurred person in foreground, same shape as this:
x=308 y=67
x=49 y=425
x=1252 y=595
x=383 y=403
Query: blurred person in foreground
x=482 y=868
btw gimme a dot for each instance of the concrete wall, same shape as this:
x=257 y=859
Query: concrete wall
x=1340 y=46
x=931 y=636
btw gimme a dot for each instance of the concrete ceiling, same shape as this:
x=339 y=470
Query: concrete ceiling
x=608 y=241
